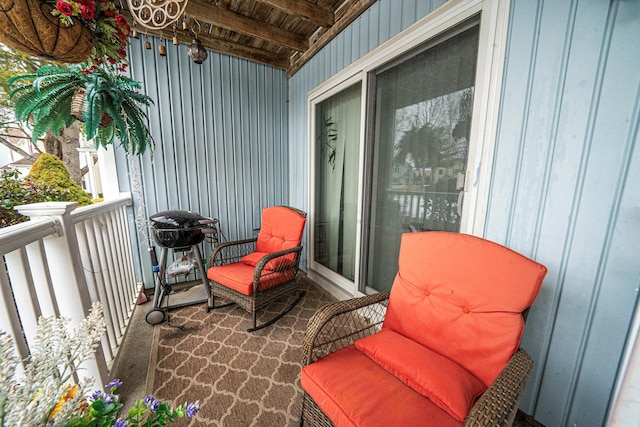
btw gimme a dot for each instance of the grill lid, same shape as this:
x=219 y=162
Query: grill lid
x=176 y=219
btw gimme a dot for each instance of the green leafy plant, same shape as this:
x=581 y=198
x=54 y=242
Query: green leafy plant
x=104 y=407
x=44 y=101
x=328 y=141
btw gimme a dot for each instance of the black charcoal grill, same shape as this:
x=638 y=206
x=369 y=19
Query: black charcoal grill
x=180 y=231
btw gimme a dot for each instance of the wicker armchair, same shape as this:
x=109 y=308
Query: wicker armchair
x=335 y=328
x=253 y=273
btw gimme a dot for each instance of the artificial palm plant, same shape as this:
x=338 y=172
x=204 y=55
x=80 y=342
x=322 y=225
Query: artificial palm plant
x=45 y=100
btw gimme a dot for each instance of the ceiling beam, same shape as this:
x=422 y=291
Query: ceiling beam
x=220 y=45
x=206 y=12
x=303 y=9
x=353 y=9
x=235 y=49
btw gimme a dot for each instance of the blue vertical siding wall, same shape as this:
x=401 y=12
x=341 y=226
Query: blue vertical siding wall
x=565 y=191
x=562 y=183
x=221 y=139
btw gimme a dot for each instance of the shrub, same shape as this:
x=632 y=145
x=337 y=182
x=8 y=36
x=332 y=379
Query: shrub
x=15 y=191
x=50 y=170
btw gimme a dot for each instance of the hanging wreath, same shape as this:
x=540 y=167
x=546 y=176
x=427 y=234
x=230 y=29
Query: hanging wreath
x=66 y=31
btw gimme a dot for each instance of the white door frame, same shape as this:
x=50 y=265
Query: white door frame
x=488 y=85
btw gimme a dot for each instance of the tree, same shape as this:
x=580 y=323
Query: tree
x=422 y=146
x=63 y=145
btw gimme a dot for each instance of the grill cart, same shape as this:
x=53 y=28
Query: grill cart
x=181 y=231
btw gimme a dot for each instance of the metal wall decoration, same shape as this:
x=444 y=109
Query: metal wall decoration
x=157 y=14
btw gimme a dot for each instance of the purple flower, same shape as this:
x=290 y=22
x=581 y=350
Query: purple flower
x=107 y=398
x=192 y=408
x=120 y=423
x=151 y=403
x=96 y=395
x=113 y=384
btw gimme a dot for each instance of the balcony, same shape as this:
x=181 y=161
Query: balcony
x=558 y=114
x=64 y=259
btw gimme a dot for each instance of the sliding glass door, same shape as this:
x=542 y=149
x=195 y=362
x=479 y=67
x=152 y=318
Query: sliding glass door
x=406 y=173
x=418 y=148
x=337 y=142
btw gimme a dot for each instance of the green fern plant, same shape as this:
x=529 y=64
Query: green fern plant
x=43 y=100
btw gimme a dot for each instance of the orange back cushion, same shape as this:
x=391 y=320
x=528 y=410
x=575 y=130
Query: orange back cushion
x=281 y=229
x=462 y=296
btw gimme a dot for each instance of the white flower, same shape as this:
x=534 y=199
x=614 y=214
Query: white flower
x=46 y=393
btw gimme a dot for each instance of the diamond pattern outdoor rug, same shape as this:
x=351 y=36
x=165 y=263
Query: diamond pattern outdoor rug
x=240 y=378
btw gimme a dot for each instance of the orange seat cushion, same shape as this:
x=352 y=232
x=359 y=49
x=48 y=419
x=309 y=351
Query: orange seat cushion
x=443 y=381
x=239 y=277
x=462 y=297
x=352 y=390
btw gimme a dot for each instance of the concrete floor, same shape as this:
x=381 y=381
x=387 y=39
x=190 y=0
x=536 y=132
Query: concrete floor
x=132 y=362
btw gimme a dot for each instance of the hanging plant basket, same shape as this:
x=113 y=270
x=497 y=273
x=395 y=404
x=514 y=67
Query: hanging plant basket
x=29 y=27
x=77 y=103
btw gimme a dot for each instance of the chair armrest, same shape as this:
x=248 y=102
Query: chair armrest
x=340 y=324
x=283 y=261
x=229 y=252
x=285 y=264
x=499 y=403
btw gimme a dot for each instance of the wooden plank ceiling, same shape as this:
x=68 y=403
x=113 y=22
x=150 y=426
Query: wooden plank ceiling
x=281 y=33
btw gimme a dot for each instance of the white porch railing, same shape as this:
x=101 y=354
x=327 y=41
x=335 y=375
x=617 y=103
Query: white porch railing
x=59 y=263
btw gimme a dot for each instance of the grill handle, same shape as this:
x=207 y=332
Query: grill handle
x=207 y=221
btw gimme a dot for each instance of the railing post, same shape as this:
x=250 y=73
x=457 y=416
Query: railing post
x=67 y=276
x=108 y=170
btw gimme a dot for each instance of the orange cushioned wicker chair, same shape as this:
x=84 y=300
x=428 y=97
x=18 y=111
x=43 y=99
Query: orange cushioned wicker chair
x=440 y=349
x=252 y=273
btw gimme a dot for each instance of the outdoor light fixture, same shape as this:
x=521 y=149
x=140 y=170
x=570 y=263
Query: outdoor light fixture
x=157 y=14
x=196 y=51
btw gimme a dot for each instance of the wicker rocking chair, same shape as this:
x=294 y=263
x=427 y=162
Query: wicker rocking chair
x=439 y=349
x=255 y=272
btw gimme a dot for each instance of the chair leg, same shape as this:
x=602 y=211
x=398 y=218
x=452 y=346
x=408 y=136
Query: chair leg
x=273 y=320
x=213 y=305
x=223 y=305
x=301 y=421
